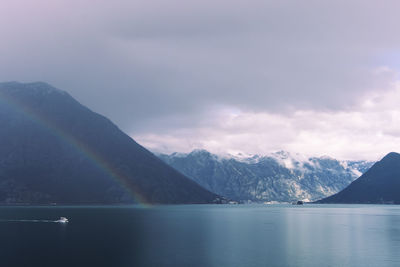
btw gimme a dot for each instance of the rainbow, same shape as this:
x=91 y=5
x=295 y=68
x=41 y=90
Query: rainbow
x=80 y=147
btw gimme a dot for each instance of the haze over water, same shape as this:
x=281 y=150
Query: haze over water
x=202 y=235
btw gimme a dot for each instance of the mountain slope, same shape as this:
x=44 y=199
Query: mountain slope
x=380 y=184
x=278 y=177
x=53 y=149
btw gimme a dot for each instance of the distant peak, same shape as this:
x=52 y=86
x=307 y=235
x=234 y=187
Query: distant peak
x=178 y=155
x=391 y=155
x=326 y=157
x=199 y=151
x=282 y=154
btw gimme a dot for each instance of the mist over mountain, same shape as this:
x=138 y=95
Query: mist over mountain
x=280 y=176
x=55 y=150
x=379 y=185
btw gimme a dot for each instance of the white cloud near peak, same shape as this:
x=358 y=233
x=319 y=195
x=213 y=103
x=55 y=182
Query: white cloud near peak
x=368 y=130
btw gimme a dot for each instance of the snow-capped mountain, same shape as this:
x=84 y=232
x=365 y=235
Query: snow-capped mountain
x=280 y=176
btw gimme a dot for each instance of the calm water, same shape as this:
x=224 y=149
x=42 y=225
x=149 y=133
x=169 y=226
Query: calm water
x=202 y=235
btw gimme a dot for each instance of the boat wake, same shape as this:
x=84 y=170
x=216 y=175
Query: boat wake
x=62 y=220
x=35 y=221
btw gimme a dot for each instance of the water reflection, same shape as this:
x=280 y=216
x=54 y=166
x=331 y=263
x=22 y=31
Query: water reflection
x=205 y=235
x=336 y=236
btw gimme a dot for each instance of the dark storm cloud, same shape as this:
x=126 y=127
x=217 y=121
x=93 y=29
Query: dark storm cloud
x=144 y=62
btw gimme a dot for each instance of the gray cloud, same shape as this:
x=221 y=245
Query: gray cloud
x=153 y=65
x=367 y=131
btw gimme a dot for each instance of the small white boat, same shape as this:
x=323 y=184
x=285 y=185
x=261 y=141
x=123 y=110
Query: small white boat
x=62 y=220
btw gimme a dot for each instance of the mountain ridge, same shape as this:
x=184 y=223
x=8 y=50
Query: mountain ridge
x=379 y=185
x=279 y=176
x=56 y=150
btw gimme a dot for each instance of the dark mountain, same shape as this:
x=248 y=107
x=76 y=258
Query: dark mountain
x=55 y=150
x=280 y=176
x=380 y=184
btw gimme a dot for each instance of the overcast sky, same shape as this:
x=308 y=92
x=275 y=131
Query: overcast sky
x=313 y=77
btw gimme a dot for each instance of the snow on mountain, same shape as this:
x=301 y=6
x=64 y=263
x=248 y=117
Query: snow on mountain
x=279 y=176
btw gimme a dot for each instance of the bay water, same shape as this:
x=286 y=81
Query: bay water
x=201 y=235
